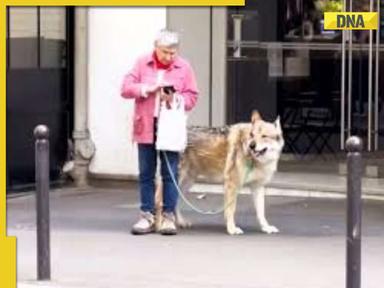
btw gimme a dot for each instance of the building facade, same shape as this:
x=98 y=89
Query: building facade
x=273 y=56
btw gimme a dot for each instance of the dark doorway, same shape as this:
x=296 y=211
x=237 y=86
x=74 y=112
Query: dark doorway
x=39 y=88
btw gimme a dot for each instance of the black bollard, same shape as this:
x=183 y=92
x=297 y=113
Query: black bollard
x=41 y=133
x=354 y=147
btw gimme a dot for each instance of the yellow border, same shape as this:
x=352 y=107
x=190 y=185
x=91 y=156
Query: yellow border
x=8 y=244
x=126 y=3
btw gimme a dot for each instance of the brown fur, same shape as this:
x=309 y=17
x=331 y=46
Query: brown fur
x=228 y=155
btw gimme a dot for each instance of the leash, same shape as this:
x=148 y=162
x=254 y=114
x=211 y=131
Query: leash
x=249 y=166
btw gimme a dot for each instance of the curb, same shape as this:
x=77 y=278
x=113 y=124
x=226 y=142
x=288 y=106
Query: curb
x=278 y=190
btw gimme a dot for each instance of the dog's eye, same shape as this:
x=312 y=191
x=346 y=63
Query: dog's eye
x=264 y=136
x=278 y=138
x=251 y=134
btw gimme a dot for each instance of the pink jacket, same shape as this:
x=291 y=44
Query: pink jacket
x=180 y=75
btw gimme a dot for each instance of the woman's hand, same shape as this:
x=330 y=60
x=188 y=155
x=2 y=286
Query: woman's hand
x=152 y=88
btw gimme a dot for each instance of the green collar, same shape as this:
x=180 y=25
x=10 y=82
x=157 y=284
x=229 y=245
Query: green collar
x=249 y=165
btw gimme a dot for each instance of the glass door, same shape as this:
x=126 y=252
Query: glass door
x=282 y=62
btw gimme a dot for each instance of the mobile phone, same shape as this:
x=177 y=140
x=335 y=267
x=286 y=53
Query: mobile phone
x=169 y=89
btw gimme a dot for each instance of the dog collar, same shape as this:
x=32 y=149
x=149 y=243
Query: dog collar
x=249 y=164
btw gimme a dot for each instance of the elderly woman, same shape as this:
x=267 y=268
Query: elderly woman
x=145 y=84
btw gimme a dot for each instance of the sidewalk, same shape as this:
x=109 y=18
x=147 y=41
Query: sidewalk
x=91 y=245
x=309 y=185
x=324 y=183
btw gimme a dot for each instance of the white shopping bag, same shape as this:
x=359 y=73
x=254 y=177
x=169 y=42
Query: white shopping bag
x=172 y=126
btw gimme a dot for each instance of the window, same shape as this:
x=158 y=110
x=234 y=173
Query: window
x=36 y=37
x=23 y=44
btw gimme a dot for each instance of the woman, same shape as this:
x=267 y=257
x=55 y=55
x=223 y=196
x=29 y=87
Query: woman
x=145 y=84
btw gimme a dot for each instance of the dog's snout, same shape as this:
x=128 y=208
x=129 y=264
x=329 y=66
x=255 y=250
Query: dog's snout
x=252 y=145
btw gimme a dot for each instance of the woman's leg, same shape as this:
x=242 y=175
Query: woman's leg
x=170 y=193
x=147 y=170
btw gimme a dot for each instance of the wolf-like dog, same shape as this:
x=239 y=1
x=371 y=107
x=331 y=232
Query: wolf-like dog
x=244 y=154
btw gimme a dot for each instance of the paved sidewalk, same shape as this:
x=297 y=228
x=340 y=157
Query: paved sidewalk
x=308 y=185
x=319 y=182
x=92 y=247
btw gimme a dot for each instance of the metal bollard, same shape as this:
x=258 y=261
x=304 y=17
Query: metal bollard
x=41 y=133
x=354 y=147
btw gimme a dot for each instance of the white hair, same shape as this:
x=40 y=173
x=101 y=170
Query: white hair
x=167 y=38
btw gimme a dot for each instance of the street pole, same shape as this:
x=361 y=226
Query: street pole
x=41 y=133
x=354 y=147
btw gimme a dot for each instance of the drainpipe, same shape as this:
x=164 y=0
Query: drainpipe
x=84 y=148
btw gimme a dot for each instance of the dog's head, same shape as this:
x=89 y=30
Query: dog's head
x=264 y=141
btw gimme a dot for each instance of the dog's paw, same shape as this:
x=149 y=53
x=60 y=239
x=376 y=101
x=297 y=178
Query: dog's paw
x=269 y=229
x=235 y=231
x=184 y=224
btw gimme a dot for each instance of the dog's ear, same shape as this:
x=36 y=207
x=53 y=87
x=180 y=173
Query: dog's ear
x=277 y=123
x=255 y=116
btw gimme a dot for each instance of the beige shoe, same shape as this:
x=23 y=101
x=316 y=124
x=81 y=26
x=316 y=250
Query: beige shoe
x=145 y=225
x=168 y=224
